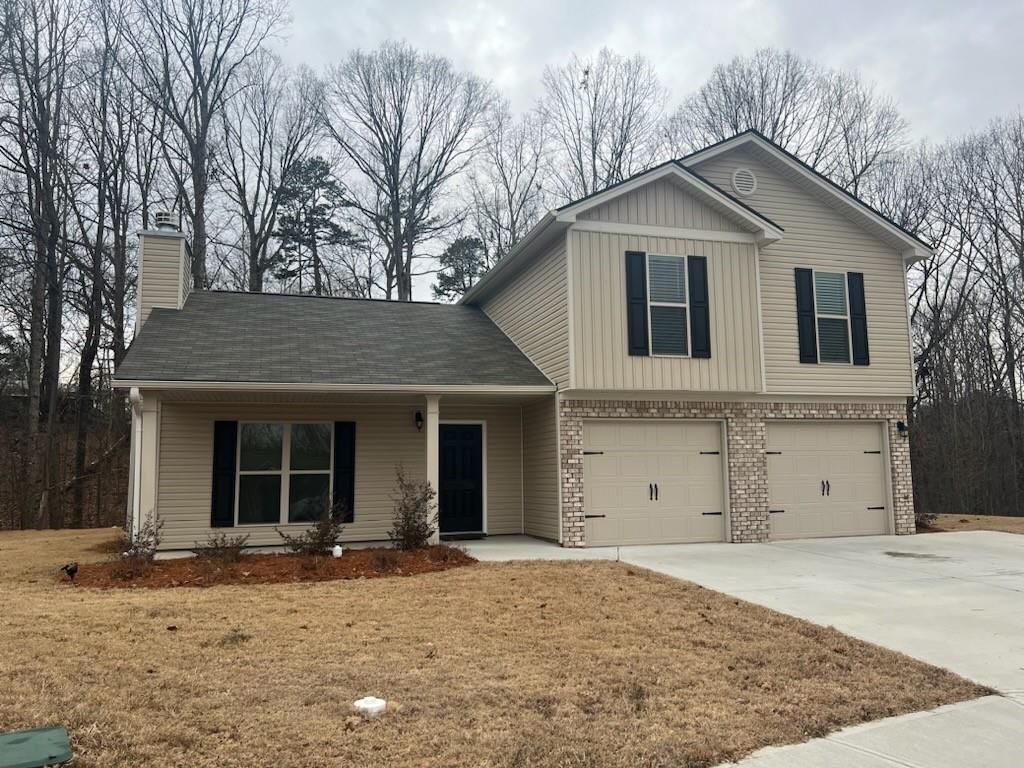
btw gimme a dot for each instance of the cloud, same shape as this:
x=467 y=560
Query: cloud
x=951 y=66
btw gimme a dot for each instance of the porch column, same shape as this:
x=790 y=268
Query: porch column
x=433 y=453
x=145 y=450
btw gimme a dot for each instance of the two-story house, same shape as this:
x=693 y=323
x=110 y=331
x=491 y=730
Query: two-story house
x=717 y=349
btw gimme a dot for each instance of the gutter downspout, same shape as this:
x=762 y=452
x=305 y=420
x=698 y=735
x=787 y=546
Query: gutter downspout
x=135 y=396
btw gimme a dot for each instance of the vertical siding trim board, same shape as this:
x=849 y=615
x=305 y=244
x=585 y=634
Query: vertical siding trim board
x=746 y=462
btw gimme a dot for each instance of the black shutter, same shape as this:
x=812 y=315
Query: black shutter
x=345 y=467
x=858 y=318
x=806 y=325
x=636 y=302
x=225 y=445
x=700 y=317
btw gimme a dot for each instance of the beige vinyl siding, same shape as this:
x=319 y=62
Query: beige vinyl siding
x=819 y=237
x=540 y=469
x=602 y=360
x=160 y=273
x=661 y=203
x=385 y=436
x=531 y=309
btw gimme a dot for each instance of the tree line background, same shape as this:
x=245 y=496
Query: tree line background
x=392 y=169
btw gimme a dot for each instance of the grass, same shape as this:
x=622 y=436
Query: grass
x=978 y=523
x=582 y=665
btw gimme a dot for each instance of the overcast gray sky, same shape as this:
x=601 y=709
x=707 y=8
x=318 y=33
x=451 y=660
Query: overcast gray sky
x=951 y=65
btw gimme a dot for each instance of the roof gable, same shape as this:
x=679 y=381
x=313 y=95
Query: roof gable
x=732 y=214
x=795 y=170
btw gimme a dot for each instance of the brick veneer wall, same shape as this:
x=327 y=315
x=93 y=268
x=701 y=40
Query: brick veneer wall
x=748 y=468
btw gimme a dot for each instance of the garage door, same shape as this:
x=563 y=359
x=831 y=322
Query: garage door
x=653 y=482
x=826 y=479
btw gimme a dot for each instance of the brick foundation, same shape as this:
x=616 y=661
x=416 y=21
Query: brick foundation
x=746 y=433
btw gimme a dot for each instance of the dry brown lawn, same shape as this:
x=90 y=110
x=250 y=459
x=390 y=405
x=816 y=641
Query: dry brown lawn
x=531 y=664
x=978 y=523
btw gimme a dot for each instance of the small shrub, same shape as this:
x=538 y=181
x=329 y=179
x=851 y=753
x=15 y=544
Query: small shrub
x=139 y=547
x=386 y=560
x=221 y=548
x=415 y=517
x=319 y=537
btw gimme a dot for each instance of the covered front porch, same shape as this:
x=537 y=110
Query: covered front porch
x=250 y=461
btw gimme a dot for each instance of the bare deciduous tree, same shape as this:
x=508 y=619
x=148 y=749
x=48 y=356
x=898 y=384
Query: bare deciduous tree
x=186 y=62
x=604 y=118
x=268 y=129
x=407 y=124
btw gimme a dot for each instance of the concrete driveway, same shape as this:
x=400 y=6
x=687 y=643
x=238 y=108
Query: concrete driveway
x=955 y=600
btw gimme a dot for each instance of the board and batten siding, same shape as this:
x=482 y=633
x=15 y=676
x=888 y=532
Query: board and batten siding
x=540 y=469
x=663 y=204
x=385 y=437
x=602 y=360
x=532 y=310
x=161 y=272
x=819 y=237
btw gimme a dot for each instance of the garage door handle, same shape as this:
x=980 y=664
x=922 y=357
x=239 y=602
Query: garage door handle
x=655 y=491
x=591 y=517
x=711 y=514
x=593 y=453
x=875 y=509
x=776 y=511
x=650 y=491
x=828 y=488
x=822 y=487
x=709 y=453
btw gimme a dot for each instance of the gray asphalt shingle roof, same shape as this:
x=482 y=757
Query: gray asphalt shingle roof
x=251 y=337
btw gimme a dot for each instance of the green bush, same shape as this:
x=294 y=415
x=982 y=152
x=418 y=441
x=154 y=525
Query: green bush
x=221 y=548
x=415 y=517
x=320 y=537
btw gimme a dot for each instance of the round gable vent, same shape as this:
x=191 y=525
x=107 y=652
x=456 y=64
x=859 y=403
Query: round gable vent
x=744 y=182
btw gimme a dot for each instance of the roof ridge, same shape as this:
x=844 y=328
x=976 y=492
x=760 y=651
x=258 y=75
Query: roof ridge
x=230 y=292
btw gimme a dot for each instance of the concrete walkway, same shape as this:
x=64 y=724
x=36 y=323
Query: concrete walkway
x=955 y=600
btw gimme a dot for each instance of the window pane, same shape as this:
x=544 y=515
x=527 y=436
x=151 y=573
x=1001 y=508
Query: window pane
x=307 y=497
x=668 y=331
x=311 y=446
x=261 y=447
x=259 y=499
x=833 y=340
x=668 y=281
x=830 y=292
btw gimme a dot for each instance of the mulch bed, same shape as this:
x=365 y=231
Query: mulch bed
x=274 y=569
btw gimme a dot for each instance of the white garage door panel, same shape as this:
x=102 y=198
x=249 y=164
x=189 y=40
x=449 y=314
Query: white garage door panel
x=848 y=458
x=624 y=460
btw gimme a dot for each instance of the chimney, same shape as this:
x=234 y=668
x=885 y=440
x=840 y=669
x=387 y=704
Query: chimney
x=165 y=269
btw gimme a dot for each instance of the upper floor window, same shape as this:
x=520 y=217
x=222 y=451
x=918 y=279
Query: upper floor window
x=832 y=321
x=833 y=317
x=666 y=289
x=667 y=311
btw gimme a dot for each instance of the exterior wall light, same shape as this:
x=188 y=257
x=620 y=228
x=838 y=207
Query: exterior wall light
x=901 y=427
x=419 y=421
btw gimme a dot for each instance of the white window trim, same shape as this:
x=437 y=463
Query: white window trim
x=685 y=305
x=285 y=472
x=818 y=315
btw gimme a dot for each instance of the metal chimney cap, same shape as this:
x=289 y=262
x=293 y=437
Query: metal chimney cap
x=166 y=220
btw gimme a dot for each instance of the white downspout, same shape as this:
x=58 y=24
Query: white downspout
x=136 y=400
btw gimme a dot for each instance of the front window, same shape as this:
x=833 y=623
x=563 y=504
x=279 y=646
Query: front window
x=666 y=291
x=284 y=472
x=833 y=317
